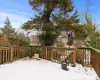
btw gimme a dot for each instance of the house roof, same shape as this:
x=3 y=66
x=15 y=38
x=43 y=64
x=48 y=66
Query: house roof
x=1 y=35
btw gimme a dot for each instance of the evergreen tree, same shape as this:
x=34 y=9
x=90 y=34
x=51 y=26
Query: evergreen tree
x=92 y=33
x=54 y=16
x=9 y=31
x=95 y=40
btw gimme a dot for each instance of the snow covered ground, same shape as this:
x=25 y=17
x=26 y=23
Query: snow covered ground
x=44 y=70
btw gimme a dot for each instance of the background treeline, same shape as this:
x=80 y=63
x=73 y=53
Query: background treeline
x=10 y=37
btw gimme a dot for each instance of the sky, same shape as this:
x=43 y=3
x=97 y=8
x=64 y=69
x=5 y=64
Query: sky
x=19 y=11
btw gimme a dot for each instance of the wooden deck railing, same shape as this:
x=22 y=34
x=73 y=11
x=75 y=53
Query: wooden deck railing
x=5 y=55
x=56 y=54
x=9 y=54
x=95 y=60
x=84 y=56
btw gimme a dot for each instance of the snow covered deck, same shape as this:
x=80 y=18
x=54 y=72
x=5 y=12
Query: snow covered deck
x=44 y=70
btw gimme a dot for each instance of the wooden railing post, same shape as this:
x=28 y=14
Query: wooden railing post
x=51 y=54
x=0 y=56
x=11 y=51
x=6 y=56
x=74 y=58
x=3 y=56
x=46 y=52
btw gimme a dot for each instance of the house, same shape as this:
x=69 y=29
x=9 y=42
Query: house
x=62 y=41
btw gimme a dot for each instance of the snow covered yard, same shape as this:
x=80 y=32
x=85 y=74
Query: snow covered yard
x=44 y=70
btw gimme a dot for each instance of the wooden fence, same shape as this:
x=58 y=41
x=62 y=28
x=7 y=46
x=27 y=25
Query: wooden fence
x=9 y=54
x=58 y=54
x=84 y=56
x=95 y=60
x=5 y=55
x=55 y=54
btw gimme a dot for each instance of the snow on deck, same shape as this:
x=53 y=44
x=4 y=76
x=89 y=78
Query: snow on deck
x=44 y=70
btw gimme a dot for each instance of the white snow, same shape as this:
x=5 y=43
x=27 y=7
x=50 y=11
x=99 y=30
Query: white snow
x=44 y=70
